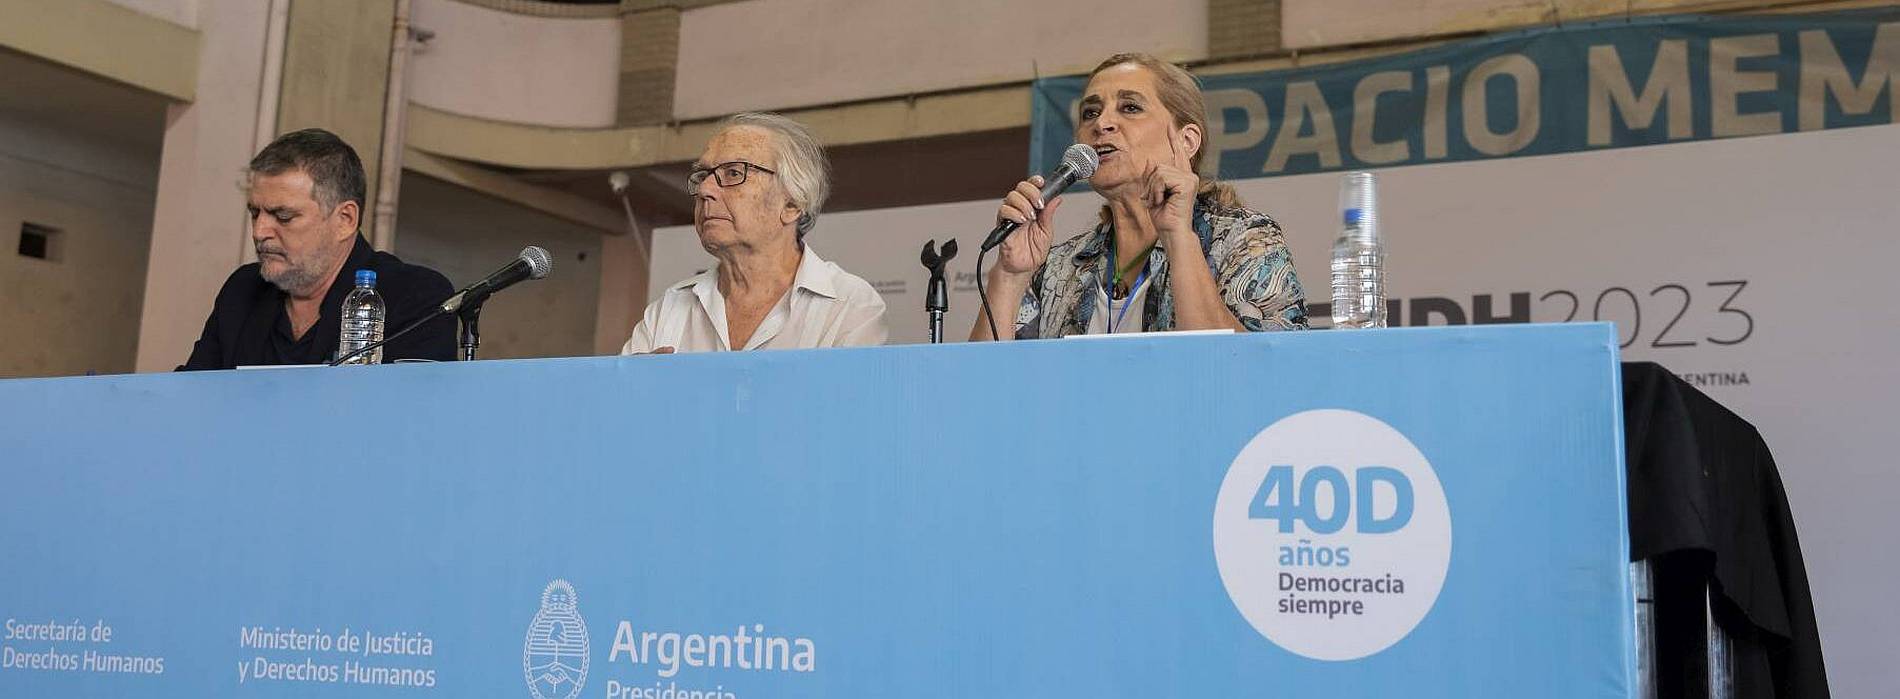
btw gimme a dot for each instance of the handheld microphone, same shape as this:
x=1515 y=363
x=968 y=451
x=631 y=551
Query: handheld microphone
x=533 y=263
x=1078 y=163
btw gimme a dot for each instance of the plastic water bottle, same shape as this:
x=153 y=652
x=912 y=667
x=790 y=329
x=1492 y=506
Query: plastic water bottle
x=363 y=316
x=1358 y=256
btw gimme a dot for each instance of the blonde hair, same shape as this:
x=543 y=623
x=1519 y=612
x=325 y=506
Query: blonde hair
x=1180 y=93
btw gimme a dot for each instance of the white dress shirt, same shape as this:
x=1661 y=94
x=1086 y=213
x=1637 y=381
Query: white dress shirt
x=826 y=307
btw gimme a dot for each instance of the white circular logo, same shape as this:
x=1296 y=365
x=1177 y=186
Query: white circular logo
x=1332 y=534
x=554 y=657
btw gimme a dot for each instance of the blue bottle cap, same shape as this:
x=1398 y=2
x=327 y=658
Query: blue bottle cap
x=1352 y=217
x=366 y=277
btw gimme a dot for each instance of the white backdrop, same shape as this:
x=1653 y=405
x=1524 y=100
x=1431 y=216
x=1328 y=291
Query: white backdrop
x=1654 y=238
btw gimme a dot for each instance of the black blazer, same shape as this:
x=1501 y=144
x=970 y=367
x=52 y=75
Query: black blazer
x=249 y=310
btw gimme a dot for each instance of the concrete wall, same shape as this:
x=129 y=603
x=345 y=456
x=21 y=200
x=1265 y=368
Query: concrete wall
x=198 y=227
x=336 y=77
x=466 y=235
x=78 y=312
x=794 y=53
x=517 y=68
x=1320 y=23
x=105 y=39
x=183 y=13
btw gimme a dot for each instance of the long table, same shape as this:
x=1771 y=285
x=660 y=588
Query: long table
x=1433 y=512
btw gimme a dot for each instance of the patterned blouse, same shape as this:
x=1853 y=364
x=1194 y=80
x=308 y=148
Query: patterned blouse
x=1246 y=251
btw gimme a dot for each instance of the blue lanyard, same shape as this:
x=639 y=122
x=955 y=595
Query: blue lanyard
x=1109 y=288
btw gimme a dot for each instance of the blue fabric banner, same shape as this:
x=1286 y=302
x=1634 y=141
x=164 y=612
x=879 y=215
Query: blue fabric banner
x=1563 y=89
x=1418 y=512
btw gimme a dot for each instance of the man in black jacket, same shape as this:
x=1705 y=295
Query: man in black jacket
x=305 y=203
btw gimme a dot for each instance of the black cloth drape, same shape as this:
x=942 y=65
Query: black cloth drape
x=1706 y=503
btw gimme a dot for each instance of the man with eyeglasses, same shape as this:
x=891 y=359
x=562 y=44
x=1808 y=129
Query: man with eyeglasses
x=757 y=189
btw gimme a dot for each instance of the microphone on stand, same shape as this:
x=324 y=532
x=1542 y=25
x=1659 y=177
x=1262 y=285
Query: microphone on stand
x=533 y=263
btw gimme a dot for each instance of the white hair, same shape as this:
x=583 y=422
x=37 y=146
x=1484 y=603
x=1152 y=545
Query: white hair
x=801 y=165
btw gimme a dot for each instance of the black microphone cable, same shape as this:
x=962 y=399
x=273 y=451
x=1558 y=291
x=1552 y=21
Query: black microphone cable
x=360 y=351
x=984 y=294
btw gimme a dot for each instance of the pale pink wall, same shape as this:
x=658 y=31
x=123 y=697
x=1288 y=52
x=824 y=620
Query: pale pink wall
x=790 y=53
x=198 y=228
x=516 y=68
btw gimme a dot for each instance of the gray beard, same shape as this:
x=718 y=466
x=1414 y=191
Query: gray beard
x=298 y=278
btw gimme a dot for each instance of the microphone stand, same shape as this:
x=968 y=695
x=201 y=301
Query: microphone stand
x=471 y=330
x=935 y=307
x=937 y=296
x=470 y=316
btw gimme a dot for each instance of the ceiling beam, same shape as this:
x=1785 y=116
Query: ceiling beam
x=107 y=40
x=553 y=202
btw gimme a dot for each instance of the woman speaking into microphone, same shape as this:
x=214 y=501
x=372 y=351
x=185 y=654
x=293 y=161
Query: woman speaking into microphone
x=1146 y=120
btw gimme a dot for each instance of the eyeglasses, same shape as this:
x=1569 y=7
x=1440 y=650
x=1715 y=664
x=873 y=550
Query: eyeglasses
x=730 y=174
